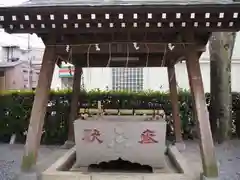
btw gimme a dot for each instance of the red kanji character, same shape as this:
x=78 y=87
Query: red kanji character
x=147 y=137
x=90 y=135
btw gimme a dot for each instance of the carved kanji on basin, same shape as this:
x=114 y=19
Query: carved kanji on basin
x=92 y=135
x=147 y=137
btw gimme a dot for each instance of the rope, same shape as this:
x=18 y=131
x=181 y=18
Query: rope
x=110 y=54
x=88 y=52
x=147 y=54
x=127 y=56
x=88 y=63
x=164 y=56
x=87 y=44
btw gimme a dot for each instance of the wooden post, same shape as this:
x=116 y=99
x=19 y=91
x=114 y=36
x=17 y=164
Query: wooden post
x=74 y=105
x=174 y=101
x=39 y=110
x=208 y=156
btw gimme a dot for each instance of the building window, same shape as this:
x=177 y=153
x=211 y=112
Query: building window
x=128 y=79
x=11 y=53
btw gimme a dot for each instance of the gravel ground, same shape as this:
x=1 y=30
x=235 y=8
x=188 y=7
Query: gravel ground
x=228 y=159
x=228 y=156
x=11 y=156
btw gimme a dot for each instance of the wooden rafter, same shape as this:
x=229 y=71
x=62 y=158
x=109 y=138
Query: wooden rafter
x=92 y=19
x=122 y=60
x=120 y=54
x=125 y=37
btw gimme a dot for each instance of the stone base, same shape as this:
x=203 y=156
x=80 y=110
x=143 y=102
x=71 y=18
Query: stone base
x=57 y=171
x=180 y=146
x=68 y=144
x=178 y=160
x=202 y=177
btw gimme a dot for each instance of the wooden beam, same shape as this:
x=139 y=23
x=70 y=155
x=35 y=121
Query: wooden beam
x=74 y=105
x=174 y=101
x=39 y=110
x=209 y=163
x=131 y=48
x=74 y=31
x=121 y=60
x=124 y=36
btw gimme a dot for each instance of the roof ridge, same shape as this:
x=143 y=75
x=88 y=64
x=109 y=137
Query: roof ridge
x=122 y=2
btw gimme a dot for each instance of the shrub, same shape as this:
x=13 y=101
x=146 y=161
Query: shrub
x=15 y=110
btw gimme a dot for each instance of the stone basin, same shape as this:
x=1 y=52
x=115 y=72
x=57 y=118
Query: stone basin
x=132 y=138
x=65 y=168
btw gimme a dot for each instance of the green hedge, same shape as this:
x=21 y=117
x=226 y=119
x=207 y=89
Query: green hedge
x=15 y=109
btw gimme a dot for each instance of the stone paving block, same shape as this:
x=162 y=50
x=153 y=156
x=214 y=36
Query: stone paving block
x=166 y=177
x=26 y=176
x=116 y=177
x=65 y=176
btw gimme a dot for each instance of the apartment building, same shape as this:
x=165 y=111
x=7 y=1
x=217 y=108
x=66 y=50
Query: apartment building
x=19 y=63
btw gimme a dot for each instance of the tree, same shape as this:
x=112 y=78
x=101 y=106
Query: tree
x=221 y=46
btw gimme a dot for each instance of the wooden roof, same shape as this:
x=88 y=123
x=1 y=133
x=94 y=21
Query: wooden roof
x=62 y=18
x=81 y=24
x=121 y=2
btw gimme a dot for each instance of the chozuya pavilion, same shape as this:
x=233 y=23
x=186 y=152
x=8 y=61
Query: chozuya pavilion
x=165 y=31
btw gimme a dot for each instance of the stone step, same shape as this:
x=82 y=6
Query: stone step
x=114 y=176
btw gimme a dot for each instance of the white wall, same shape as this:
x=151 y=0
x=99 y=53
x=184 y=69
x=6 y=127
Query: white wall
x=182 y=77
x=56 y=81
x=97 y=78
x=1 y=54
x=156 y=77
